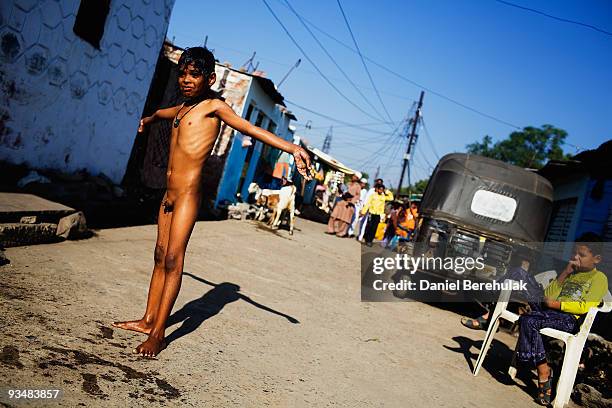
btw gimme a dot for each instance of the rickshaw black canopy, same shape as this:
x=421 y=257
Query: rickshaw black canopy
x=490 y=196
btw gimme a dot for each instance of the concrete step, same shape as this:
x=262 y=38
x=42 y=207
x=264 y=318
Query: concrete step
x=17 y=234
x=15 y=206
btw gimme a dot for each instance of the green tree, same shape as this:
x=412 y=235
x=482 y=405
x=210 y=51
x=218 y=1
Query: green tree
x=531 y=147
x=416 y=188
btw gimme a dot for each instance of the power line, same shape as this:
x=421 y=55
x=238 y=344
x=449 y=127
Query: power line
x=332 y=58
x=315 y=65
x=381 y=151
x=305 y=70
x=564 y=20
x=438 y=94
x=431 y=167
x=343 y=122
x=429 y=139
x=417 y=163
x=355 y=124
x=395 y=153
x=385 y=147
x=365 y=66
x=391 y=161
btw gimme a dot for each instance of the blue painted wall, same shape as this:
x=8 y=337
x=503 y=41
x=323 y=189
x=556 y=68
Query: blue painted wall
x=230 y=179
x=231 y=173
x=594 y=214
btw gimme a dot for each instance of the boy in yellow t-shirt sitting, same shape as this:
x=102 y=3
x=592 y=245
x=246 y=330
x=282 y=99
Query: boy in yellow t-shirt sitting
x=578 y=287
x=560 y=306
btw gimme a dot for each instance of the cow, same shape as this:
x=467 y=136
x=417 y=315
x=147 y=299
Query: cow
x=277 y=201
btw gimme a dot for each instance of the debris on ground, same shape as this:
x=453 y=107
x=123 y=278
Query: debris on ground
x=3 y=259
x=593 y=385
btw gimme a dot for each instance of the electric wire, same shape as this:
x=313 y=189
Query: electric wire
x=389 y=143
x=365 y=66
x=278 y=20
x=332 y=59
x=429 y=138
x=418 y=85
x=564 y=20
x=343 y=122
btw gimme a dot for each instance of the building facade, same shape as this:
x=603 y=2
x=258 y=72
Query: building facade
x=582 y=199
x=74 y=78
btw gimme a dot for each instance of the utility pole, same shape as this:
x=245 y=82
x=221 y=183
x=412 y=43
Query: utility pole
x=297 y=64
x=411 y=141
x=377 y=172
x=327 y=141
x=248 y=66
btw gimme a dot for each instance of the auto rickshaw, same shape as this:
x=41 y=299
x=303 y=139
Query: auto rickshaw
x=474 y=207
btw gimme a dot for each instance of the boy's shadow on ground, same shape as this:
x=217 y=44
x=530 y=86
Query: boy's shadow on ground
x=496 y=363
x=194 y=313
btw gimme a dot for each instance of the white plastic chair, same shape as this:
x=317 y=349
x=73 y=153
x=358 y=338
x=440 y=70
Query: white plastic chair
x=574 y=343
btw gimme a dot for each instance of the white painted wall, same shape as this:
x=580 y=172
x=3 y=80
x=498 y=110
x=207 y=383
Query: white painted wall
x=264 y=103
x=65 y=104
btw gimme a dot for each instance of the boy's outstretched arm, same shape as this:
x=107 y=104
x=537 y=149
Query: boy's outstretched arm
x=227 y=115
x=160 y=114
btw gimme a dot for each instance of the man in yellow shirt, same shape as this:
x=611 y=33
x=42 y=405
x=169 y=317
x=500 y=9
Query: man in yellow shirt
x=375 y=205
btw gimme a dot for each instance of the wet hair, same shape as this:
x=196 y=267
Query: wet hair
x=592 y=241
x=201 y=58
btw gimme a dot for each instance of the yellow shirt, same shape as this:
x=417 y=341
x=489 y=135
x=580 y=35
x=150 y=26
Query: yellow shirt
x=579 y=292
x=376 y=203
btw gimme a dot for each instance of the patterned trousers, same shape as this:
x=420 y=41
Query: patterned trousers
x=530 y=343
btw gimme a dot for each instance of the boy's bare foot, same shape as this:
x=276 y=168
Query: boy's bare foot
x=140 y=326
x=151 y=347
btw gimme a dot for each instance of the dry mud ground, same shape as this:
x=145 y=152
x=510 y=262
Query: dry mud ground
x=262 y=319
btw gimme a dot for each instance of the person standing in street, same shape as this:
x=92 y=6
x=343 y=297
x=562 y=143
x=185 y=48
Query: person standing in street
x=359 y=203
x=363 y=219
x=375 y=205
x=342 y=215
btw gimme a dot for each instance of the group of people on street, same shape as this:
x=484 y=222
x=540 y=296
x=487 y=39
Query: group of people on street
x=358 y=213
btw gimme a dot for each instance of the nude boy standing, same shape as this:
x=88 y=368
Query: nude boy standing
x=195 y=127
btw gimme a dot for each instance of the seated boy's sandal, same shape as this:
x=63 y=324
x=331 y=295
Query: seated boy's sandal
x=544 y=397
x=470 y=323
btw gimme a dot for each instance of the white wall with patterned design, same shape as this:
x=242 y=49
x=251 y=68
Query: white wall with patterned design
x=65 y=104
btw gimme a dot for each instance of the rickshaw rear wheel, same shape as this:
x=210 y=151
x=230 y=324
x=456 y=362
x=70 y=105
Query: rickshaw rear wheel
x=403 y=276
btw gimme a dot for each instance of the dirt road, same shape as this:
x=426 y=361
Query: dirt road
x=263 y=319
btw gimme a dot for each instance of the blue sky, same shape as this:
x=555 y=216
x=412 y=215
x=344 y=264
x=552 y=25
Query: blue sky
x=520 y=67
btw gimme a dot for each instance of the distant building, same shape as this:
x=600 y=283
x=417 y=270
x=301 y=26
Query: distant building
x=74 y=77
x=582 y=197
x=236 y=160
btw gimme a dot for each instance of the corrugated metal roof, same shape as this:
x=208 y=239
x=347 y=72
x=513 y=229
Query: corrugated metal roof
x=326 y=158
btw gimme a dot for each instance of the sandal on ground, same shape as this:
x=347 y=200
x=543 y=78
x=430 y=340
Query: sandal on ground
x=480 y=323
x=544 y=397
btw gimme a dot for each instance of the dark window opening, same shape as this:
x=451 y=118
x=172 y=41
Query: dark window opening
x=561 y=220
x=90 y=20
